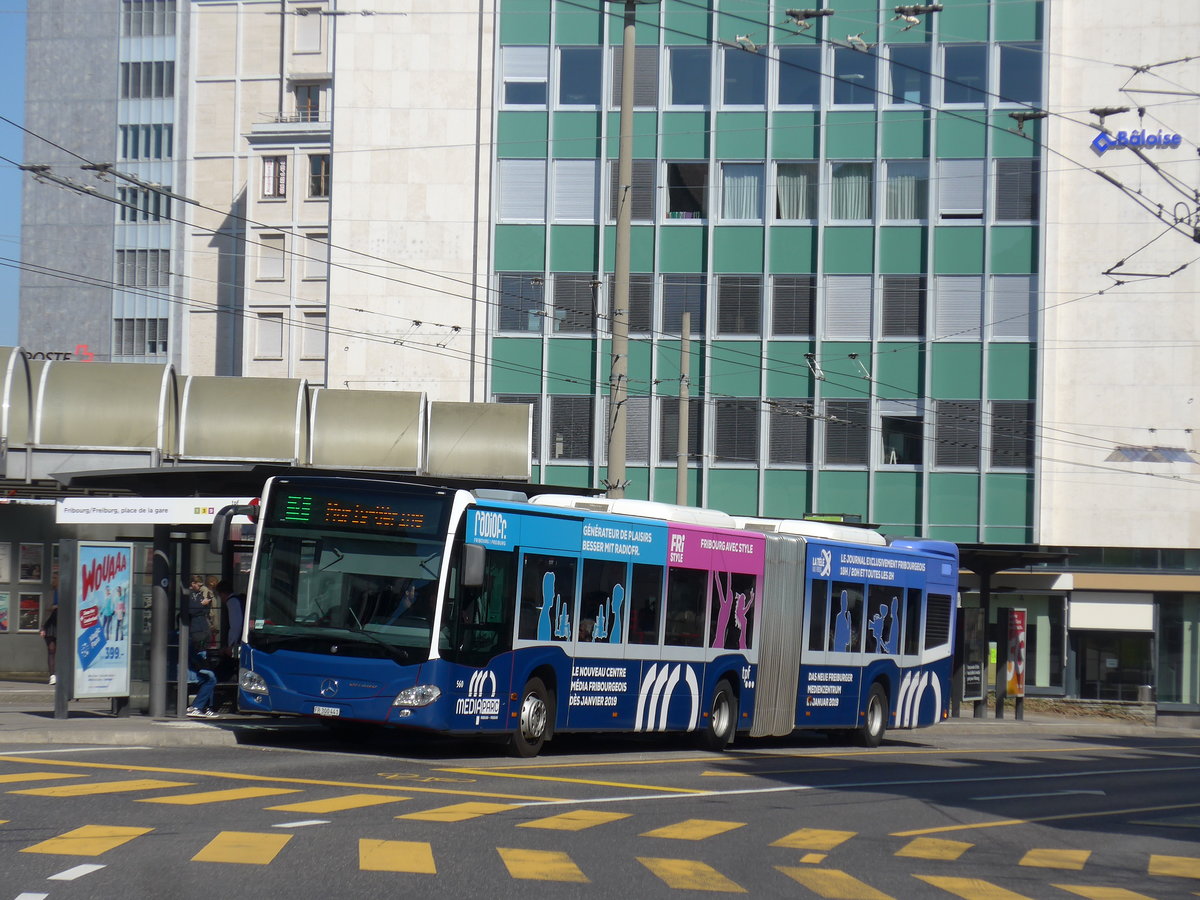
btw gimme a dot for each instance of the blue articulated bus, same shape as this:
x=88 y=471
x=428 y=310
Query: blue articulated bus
x=483 y=613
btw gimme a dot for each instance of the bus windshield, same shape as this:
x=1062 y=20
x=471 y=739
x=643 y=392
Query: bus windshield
x=371 y=595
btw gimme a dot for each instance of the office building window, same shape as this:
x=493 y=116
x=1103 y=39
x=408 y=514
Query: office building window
x=575 y=190
x=668 y=429
x=641 y=301
x=307 y=38
x=796 y=190
x=739 y=304
x=146 y=141
x=523 y=71
x=851 y=191
x=907 y=190
x=964 y=73
x=645 y=77
x=143 y=268
x=318 y=176
x=1017 y=190
x=1012 y=434
x=147 y=80
x=683 y=293
x=689 y=76
x=522 y=190
x=1014 y=308
x=145 y=18
x=312 y=335
x=847 y=437
x=960 y=189
x=908 y=70
x=743 y=77
x=570 y=428
x=847 y=307
x=793 y=301
x=270 y=257
x=641 y=193
x=316 y=256
x=853 y=77
x=580 y=72
x=956 y=434
x=901 y=432
x=308 y=101
x=142 y=205
x=789 y=439
x=521 y=301
x=139 y=337
x=535 y=403
x=687 y=190
x=799 y=76
x=274 y=177
x=637 y=430
x=574 y=302
x=957 y=307
x=903 y=306
x=735 y=430
x=742 y=191
x=268 y=335
x=1020 y=73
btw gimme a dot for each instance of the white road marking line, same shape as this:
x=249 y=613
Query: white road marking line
x=302 y=823
x=28 y=896
x=76 y=872
x=4 y=752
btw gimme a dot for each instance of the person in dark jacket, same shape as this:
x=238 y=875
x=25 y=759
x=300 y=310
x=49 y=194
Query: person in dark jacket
x=49 y=633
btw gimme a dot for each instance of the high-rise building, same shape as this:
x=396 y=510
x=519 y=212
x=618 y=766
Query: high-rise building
x=927 y=289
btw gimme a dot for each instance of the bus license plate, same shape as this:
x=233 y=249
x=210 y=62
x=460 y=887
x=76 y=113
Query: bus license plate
x=326 y=711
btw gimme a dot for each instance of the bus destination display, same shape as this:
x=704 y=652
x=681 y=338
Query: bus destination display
x=358 y=512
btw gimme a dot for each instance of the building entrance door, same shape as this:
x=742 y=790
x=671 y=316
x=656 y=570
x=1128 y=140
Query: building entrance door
x=1112 y=665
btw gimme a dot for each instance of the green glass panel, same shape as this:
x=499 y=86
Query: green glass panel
x=734 y=491
x=641 y=248
x=664 y=485
x=574 y=248
x=954 y=500
x=686 y=22
x=520 y=248
x=682 y=249
x=646 y=29
x=1008 y=508
x=854 y=17
x=793 y=249
x=645 y=135
x=957 y=371
x=525 y=22
x=742 y=135
x=961 y=134
x=965 y=535
x=744 y=17
x=796 y=135
x=786 y=493
x=897 y=501
x=576 y=135
x=850 y=135
x=516 y=365
x=521 y=135
x=1018 y=20
x=958 y=251
x=844 y=377
x=684 y=136
x=641 y=355
x=569 y=476
x=738 y=249
x=906 y=134
x=900 y=33
x=1008 y=141
x=638 y=482
x=668 y=368
x=735 y=368
x=788 y=373
x=1014 y=250
x=842 y=493
x=903 y=250
x=576 y=24
x=900 y=369
x=570 y=366
x=849 y=250
x=963 y=22
x=1012 y=371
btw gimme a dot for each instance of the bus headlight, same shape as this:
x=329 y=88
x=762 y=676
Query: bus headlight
x=421 y=695
x=251 y=682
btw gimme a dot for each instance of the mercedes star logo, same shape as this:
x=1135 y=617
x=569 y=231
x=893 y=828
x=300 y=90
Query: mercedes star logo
x=329 y=687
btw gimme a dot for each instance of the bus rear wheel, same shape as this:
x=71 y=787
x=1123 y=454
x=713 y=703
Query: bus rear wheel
x=721 y=722
x=533 y=720
x=870 y=733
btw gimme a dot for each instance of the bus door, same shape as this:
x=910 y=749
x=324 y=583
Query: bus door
x=835 y=636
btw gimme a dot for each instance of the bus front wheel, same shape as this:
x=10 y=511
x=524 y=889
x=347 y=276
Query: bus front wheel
x=533 y=721
x=870 y=733
x=717 y=732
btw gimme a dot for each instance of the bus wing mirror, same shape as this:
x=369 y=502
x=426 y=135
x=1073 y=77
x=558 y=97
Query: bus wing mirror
x=218 y=534
x=472 y=574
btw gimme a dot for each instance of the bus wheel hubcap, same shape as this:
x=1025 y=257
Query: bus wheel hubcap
x=533 y=717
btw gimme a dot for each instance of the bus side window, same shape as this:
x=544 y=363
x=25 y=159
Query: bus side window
x=846 y=629
x=602 y=602
x=731 y=613
x=686 y=595
x=547 y=598
x=912 y=623
x=882 y=617
x=644 y=608
x=818 y=605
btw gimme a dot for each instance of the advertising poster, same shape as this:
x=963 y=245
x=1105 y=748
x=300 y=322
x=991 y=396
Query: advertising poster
x=30 y=614
x=102 y=594
x=1015 y=665
x=31 y=563
x=974 y=666
x=5 y=562
x=3 y=610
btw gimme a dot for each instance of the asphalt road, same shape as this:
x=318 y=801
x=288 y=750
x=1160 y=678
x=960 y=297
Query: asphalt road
x=980 y=815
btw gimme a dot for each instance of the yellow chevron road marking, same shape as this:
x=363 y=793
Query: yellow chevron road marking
x=690 y=875
x=396 y=856
x=201 y=797
x=251 y=848
x=541 y=865
x=103 y=787
x=89 y=840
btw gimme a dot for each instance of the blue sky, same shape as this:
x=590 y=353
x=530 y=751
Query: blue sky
x=12 y=106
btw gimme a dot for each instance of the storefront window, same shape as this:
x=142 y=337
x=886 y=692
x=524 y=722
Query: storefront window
x=1178 y=648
